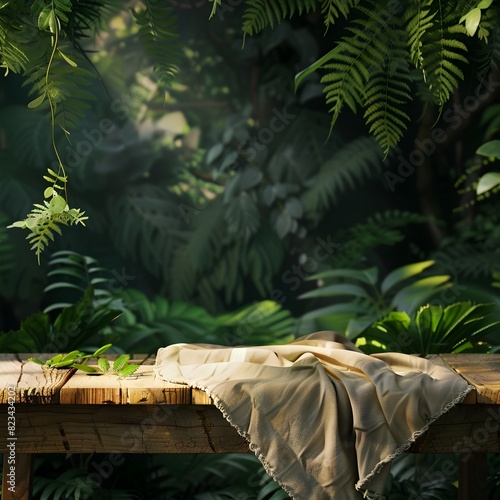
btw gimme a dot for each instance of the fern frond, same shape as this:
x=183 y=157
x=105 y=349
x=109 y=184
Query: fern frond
x=441 y=52
x=7 y=251
x=242 y=215
x=260 y=323
x=487 y=55
x=361 y=240
x=72 y=483
x=13 y=56
x=67 y=86
x=44 y=220
x=468 y=259
x=359 y=160
x=262 y=13
x=157 y=35
x=149 y=228
x=148 y=323
x=419 y=18
x=333 y=9
x=217 y=267
x=357 y=58
x=15 y=197
x=87 y=16
x=25 y=127
x=70 y=272
x=62 y=9
x=387 y=92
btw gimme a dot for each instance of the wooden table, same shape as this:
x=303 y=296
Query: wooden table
x=63 y=411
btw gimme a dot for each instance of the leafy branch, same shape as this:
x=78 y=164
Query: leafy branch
x=45 y=219
x=79 y=360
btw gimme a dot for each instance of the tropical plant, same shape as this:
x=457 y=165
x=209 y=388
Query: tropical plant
x=78 y=326
x=77 y=273
x=490 y=180
x=364 y=298
x=433 y=329
x=216 y=477
x=242 y=233
x=370 y=67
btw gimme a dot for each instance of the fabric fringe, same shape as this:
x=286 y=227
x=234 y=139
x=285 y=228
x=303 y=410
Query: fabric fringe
x=413 y=437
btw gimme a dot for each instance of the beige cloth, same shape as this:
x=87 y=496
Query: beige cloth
x=324 y=418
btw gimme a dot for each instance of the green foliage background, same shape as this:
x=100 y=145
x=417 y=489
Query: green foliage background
x=284 y=167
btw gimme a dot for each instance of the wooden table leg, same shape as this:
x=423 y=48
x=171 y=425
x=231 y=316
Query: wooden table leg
x=472 y=476
x=17 y=486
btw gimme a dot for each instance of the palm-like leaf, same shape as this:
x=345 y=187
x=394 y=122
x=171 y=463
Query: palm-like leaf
x=435 y=329
x=360 y=297
x=72 y=272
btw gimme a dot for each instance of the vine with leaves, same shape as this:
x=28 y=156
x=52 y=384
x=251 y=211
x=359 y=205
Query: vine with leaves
x=41 y=41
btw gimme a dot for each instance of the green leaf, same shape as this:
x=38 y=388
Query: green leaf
x=48 y=192
x=19 y=223
x=368 y=276
x=36 y=102
x=84 y=368
x=490 y=149
x=214 y=152
x=419 y=292
x=402 y=273
x=57 y=204
x=31 y=222
x=103 y=364
x=54 y=360
x=71 y=355
x=312 y=68
x=63 y=364
x=121 y=362
x=128 y=370
x=359 y=325
x=101 y=350
x=37 y=361
x=44 y=17
x=56 y=176
x=488 y=181
x=484 y=4
x=68 y=60
x=336 y=290
x=472 y=20
x=349 y=307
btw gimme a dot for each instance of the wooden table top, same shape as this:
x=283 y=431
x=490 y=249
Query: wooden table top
x=37 y=385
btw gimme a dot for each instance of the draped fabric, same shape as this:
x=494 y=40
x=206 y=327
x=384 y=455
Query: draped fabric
x=324 y=418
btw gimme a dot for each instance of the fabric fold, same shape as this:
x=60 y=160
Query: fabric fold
x=324 y=418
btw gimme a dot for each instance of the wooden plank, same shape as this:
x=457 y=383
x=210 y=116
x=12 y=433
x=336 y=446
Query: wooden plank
x=17 y=487
x=140 y=388
x=480 y=370
x=471 y=398
x=33 y=383
x=465 y=429
x=472 y=476
x=199 y=397
x=115 y=429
